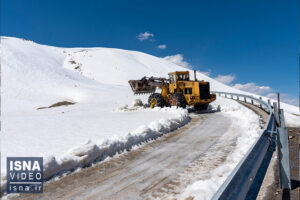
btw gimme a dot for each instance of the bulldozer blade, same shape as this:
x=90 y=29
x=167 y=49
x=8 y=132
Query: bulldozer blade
x=141 y=87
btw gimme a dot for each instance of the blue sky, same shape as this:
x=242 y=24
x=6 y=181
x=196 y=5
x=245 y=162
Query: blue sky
x=248 y=44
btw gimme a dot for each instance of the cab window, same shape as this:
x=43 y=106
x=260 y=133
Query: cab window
x=180 y=77
x=187 y=77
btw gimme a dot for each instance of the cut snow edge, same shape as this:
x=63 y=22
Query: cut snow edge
x=90 y=152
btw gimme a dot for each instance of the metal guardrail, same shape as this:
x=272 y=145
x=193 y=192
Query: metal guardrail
x=241 y=179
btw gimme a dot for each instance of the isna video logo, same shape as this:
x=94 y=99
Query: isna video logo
x=24 y=175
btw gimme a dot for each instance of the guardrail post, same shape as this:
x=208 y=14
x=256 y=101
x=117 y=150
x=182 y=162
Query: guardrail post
x=245 y=99
x=231 y=97
x=260 y=103
x=283 y=154
x=276 y=113
x=238 y=98
x=269 y=101
x=252 y=101
x=225 y=95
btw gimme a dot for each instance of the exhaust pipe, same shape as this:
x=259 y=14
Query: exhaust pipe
x=195 y=75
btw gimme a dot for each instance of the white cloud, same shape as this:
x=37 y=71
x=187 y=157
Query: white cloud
x=266 y=91
x=248 y=87
x=226 y=79
x=272 y=95
x=253 y=88
x=289 y=100
x=284 y=98
x=162 y=46
x=145 y=36
x=178 y=60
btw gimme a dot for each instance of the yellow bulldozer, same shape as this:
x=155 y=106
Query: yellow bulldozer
x=178 y=90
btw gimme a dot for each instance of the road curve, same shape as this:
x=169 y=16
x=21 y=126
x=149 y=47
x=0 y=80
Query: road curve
x=140 y=172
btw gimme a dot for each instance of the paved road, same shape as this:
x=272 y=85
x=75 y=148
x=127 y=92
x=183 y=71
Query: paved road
x=143 y=172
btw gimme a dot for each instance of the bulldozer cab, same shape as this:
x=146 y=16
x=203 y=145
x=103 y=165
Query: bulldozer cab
x=179 y=76
x=175 y=79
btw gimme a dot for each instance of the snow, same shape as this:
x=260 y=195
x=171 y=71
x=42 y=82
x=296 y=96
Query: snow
x=37 y=76
x=244 y=131
x=87 y=153
x=98 y=124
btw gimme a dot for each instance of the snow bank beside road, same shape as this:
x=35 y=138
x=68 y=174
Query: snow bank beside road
x=89 y=152
x=92 y=151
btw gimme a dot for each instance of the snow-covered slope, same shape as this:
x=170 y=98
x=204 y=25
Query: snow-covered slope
x=96 y=80
x=49 y=68
x=116 y=66
x=35 y=76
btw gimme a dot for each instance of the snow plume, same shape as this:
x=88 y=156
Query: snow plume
x=253 y=88
x=145 y=36
x=178 y=60
x=226 y=79
x=162 y=46
x=207 y=73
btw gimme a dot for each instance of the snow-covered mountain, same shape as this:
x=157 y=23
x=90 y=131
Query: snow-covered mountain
x=37 y=75
x=96 y=80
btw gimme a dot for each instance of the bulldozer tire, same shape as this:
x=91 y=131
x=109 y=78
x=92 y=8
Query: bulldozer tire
x=156 y=100
x=178 y=100
x=201 y=107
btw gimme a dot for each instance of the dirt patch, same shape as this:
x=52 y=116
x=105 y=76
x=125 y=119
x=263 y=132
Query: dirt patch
x=78 y=68
x=72 y=62
x=61 y=103
x=294 y=143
